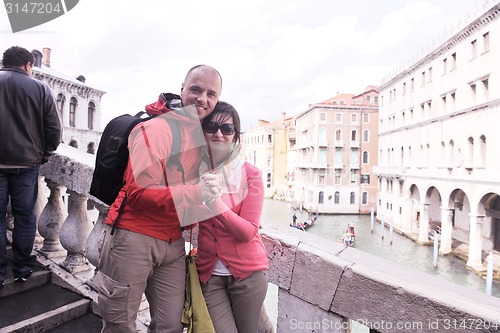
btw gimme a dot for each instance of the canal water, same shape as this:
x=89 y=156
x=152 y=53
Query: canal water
x=397 y=248
x=402 y=249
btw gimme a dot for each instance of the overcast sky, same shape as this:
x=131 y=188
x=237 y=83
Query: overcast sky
x=274 y=55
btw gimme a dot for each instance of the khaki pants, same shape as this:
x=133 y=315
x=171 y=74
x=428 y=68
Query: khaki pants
x=234 y=306
x=132 y=264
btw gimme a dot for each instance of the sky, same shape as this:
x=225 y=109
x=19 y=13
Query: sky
x=274 y=55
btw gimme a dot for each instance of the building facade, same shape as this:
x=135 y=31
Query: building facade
x=267 y=146
x=79 y=105
x=438 y=165
x=336 y=147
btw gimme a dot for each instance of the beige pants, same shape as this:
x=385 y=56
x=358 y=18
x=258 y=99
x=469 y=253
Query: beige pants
x=133 y=264
x=234 y=306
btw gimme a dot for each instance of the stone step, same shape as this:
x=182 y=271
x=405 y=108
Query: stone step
x=40 y=309
x=89 y=323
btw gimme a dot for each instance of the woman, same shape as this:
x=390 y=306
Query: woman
x=232 y=261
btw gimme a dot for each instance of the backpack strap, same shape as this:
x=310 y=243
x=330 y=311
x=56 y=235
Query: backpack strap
x=173 y=159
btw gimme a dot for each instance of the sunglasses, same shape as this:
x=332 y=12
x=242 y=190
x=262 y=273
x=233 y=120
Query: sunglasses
x=212 y=127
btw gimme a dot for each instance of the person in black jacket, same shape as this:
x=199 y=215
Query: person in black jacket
x=30 y=130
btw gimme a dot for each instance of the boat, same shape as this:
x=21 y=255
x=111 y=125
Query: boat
x=305 y=225
x=349 y=236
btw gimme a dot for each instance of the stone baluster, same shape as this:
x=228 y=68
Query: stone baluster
x=41 y=201
x=94 y=242
x=51 y=220
x=74 y=233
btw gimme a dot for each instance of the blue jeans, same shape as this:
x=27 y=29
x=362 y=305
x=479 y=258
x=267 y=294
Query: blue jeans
x=22 y=186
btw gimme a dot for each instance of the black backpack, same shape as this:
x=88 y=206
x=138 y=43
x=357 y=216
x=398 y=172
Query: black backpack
x=112 y=155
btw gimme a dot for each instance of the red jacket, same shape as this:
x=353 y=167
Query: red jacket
x=233 y=237
x=157 y=200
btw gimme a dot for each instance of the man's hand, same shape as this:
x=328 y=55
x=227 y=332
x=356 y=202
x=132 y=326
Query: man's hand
x=210 y=186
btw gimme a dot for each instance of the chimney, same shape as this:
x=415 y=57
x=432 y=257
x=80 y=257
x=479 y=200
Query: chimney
x=46 y=57
x=81 y=78
x=283 y=118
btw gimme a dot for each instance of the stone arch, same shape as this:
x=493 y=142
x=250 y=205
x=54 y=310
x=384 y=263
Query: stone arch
x=460 y=220
x=434 y=203
x=489 y=207
x=415 y=213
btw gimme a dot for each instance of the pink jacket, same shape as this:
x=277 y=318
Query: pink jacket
x=233 y=236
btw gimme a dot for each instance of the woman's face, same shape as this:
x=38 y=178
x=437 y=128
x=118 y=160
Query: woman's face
x=219 y=134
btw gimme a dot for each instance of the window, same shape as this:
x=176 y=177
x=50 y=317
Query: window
x=337 y=177
x=337 y=197
x=469 y=155
x=366 y=118
x=322 y=116
x=61 y=100
x=430 y=74
x=412 y=84
x=72 y=111
x=268 y=180
x=364 y=198
x=322 y=155
x=485 y=90
x=354 y=118
x=486 y=42
x=454 y=60
x=322 y=135
x=445 y=66
x=338 y=156
x=354 y=135
x=338 y=135
x=365 y=179
x=404 y=88
x=366 y=135
x=353 y=176
x=91 y=148
x=352 y=198
x=365 y=157
x=321 y=197
x=338 y=118
x=423 y=78
x=473 y=93
x=451 y=104
x=354 y=157
x=269 y=138
x=473 y=45
x=91 y=113
x=482 y=152
x=321 y=177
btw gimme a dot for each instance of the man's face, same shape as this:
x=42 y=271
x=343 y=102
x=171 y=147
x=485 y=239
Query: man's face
x=201 y=90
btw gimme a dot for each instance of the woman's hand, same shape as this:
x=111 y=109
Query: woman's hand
x=210 y=186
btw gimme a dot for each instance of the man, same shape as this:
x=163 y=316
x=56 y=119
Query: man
x=30 y=131
x=146 y=252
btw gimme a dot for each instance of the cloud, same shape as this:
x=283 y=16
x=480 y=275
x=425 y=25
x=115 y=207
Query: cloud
x=274 y=56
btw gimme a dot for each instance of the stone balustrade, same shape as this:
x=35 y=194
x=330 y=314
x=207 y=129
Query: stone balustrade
x=322 y=287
